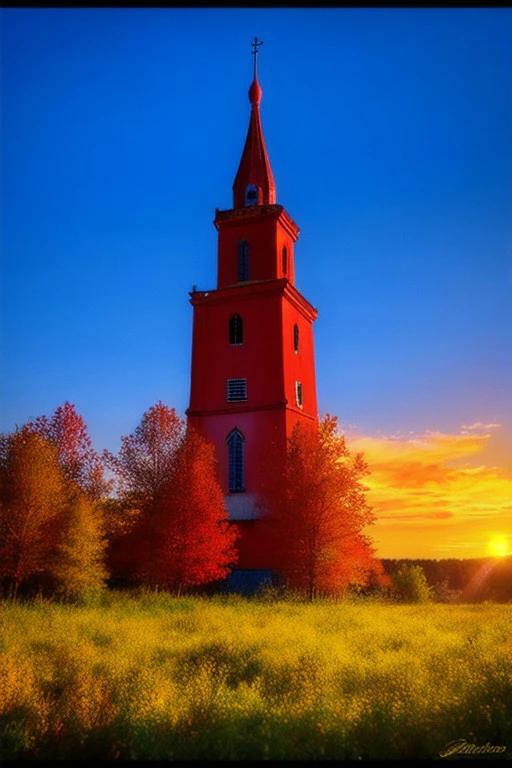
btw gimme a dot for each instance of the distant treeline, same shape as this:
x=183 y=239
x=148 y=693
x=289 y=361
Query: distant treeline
x=474 y=579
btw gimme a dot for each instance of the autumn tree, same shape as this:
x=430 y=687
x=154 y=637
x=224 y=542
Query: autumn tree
x=170 y=519
x=195 y=542
x=79 y=461
x=317 y=512
x=78 y=563
x=33 y=497
x=118 y=517
x=141 y=468
x=146 y=458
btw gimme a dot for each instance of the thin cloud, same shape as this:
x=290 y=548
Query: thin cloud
x=477 y=425
x=418 y=516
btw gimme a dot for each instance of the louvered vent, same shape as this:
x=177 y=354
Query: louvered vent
x=237 y=390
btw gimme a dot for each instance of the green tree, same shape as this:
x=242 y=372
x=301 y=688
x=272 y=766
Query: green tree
x=409 y=584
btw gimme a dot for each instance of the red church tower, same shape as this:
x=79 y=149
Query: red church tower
x=253 y=371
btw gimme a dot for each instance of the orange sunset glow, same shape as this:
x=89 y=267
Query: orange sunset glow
x=439 y=495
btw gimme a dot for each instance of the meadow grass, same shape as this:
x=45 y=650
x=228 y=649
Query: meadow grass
x=155 y=677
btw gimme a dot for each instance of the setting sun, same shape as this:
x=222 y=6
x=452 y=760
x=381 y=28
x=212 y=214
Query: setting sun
x=499 y=546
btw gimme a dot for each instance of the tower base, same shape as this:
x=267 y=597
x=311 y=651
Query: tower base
x=248 y=582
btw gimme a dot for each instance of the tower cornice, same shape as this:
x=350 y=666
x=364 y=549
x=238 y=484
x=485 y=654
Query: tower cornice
x=253 y=213
x=256 y=290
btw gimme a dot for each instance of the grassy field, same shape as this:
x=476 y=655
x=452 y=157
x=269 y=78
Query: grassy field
x=151 y=676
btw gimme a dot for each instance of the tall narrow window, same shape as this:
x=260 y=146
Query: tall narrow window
x=284 y=256
x=295 y=338
x=236 y=330
x=251 y=195
x=235 y=443
x=243 y=261
x=298 y=393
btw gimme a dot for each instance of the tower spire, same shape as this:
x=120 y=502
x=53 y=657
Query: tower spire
x=254 y=182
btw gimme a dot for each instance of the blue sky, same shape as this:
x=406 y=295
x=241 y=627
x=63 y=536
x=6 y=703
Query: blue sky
x=389 y=136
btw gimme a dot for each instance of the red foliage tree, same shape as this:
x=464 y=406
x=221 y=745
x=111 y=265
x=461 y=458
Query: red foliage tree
x=318 y=511
x=194 y=540
x=170 y=520
x=79 y=461
x=146 y=458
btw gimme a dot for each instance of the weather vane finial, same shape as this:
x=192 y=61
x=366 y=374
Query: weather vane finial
x=255 y=45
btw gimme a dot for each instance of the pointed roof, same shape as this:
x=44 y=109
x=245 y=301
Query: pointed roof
x=254 y=169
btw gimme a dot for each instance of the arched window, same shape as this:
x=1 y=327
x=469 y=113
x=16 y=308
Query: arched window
x=284 y=256
x=235 y=443
x=251 y=195
x=243 y=261
x=236 y=330
x=295 y=338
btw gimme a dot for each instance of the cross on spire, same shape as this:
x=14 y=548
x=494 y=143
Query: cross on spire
x=255 y=45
